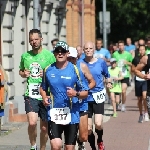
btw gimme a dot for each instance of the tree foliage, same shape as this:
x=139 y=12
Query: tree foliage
x=129 y=18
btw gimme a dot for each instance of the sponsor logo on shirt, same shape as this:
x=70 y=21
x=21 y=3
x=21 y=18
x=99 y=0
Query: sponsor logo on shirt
x=35 y=70
x=65 y=77
x=53 y=75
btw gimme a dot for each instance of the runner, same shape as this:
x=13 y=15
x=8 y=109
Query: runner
x=116 y=76
x=80 y=52
x=103 y=53
x=96 y=98
x=31 y=67
x=83 y=125
x=66 y=88
x=141 y=86
x=129 y=47
x=54 y=42
x=124 y=60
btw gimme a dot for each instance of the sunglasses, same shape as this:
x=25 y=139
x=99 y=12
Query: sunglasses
x=63 y=51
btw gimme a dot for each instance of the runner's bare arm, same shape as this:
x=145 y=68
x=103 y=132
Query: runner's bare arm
x=88 y=75
x=43 y=93
x=128 y=63
x=140 y=66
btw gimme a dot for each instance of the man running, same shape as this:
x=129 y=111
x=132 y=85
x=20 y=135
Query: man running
x=144 y=64
x=80 y=53
x=83 y=125
x=66 y=88
x=101 y=52
x=141 y=86
x=124 y=60
x=31 y=67
x=96 y=98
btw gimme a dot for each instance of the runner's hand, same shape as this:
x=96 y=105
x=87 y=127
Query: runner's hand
x=46 y=101
x=71 y=92
x=126 y=62
x=109 y=85
x=26 y=73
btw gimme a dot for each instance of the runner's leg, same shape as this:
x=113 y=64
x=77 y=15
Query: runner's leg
x=43 y=134
x=99 y=111
x=70 y=133
x=83 y=127
x=91 y=136
x=32 y=108
x=124 y=89
x=112 y=95
x=55 y=131
x=43 y=126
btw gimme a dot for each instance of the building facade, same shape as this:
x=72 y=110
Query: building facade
x=72 y=21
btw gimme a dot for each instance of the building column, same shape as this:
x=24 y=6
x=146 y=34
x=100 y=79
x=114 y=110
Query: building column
x=7 y=44
x=87 y=20
x=75 y=25
x=93 y=22
x=44 y=25
x=69 y=29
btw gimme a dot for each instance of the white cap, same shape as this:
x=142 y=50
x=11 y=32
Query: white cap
x=72 y=52
x=113 y=60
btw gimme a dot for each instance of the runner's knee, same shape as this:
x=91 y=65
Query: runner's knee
x=98 y=126
x=44 y=129
x=32 y=124
x=56 y=146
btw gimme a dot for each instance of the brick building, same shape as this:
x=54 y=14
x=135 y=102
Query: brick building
x=72 y=21
x=80 y=22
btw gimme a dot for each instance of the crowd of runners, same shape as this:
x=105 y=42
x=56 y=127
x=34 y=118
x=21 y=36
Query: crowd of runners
x=67 y=88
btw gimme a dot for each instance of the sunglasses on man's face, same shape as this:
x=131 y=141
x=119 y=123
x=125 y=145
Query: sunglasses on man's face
x=63 y=51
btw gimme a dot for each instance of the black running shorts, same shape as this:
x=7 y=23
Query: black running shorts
x=34 y=105
x=70 y=132
x=140 y=87
x=95 y=108
x=125 y=80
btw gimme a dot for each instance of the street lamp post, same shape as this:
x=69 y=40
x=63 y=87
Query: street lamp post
x=35 y=14
x=104 y=25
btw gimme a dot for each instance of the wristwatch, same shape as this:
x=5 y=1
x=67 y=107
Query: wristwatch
x=77 y=94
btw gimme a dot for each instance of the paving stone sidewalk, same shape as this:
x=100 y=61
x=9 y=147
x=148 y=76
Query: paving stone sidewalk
x=124 y=132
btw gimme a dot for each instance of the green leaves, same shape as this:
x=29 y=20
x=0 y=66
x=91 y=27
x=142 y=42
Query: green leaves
x=129 y=18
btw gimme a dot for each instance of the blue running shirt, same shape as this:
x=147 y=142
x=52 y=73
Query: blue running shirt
x=102 y=53
x=98 y=70
x=58 y=80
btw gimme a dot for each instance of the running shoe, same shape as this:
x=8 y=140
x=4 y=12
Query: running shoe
x=118 y=107
x=123 y=108
x=140 y=119
x=114 y=115
x=81 y=147
x=101 y=146
x=146 y=117
x=32 y=148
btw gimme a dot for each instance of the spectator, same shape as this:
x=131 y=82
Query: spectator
x=3 y=89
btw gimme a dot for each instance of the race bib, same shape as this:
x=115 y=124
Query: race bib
x=34 y=90
x=124 y=71
x=100 y=97
x=60 y=115
x=140 y=79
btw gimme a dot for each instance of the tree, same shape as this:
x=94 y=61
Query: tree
x=129 y=18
